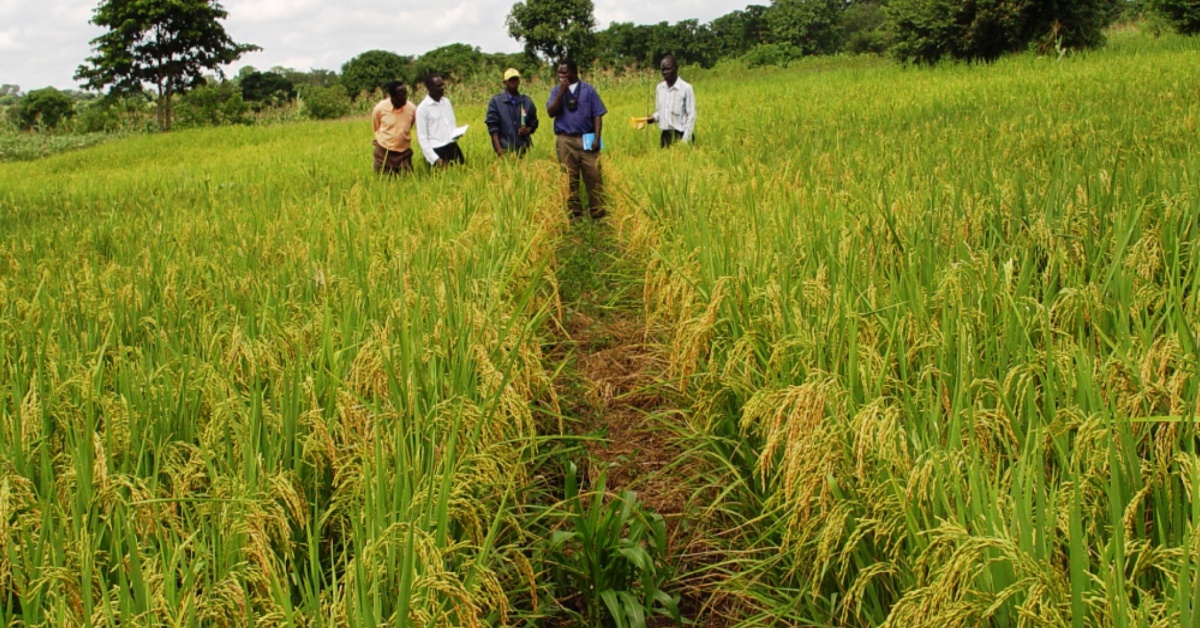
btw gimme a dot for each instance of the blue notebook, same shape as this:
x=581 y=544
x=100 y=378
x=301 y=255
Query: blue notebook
x=589 y=138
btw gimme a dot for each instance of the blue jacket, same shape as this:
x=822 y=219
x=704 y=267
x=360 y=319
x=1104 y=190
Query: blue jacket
x=504 y=118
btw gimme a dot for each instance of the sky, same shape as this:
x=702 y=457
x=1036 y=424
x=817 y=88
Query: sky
x=43 y=42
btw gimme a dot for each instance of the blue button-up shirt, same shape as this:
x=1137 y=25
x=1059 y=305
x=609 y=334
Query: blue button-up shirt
x=581 y=120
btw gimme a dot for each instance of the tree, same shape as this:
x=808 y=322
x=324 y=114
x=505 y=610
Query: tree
x=737 y=32
x=865 y=28
x=166 y=43
x=324 y=103
x=268 y=88
x=43 y=107
x=315 y=77
x=496 y=61
x=623 y=44
x=455 y=61
x=1074 y=24
x=370 y=70
x=928 y=30
x=688 y=40
x=809 y=26
x=9 y=94
x=214 y=104
x=554 y=29
x=1184 y=15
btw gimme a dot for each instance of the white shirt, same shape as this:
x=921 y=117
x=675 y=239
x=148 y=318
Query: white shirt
x=675 y=107
x=435 y=126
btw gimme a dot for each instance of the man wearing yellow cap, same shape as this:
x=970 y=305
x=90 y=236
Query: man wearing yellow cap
x=511 y=117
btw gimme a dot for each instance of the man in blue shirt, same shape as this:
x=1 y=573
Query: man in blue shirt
x=578 y=116
x=511 y=117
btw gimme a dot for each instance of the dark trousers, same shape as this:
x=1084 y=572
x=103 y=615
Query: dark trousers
x=582 y=167
x=392 y=162
x=451 y=153
x=670 y=136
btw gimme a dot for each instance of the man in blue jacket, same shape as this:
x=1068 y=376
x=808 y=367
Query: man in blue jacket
x=511 y=117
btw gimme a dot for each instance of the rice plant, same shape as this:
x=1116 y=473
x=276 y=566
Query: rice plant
x=938 y=332
x=246 y=381
x=939 y=328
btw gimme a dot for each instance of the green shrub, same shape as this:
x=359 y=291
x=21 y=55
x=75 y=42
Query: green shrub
x=324 y=103
x=1183 y=15
x=212 y=105
x=115 y=114
x=929 y=30
x=778 y=55
x=267 y=89
x=45 y=108
x=9 y=94
x=865 y=28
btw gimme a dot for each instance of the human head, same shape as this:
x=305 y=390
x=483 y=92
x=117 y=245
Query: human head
x=567 y=68
x=670 y=69
x=435 y=85
x=398 y=92
x=512 y=81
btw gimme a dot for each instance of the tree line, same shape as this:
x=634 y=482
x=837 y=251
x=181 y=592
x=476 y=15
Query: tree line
x=911 y=31
x=165 y=56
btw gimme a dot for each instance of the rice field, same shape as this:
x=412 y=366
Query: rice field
x=933 y=335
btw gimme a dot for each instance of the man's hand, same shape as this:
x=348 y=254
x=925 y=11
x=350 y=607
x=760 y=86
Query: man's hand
x=499 y=152
x=441 y=163
x=596 y=144
x=523 y=131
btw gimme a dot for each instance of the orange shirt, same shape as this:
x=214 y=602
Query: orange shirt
x=393 y=127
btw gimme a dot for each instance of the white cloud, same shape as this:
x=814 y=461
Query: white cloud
x=267 y=11
x=43 y=42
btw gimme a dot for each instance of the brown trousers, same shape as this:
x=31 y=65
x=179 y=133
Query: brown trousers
x=582 y=166
x=392 y=162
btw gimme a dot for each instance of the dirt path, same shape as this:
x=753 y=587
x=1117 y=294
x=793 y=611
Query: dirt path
x=613 y=384
x=619 y=369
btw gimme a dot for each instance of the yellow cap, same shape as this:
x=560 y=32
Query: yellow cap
x=510 y=73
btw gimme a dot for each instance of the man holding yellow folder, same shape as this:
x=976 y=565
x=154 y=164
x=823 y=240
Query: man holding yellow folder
x=674 y=105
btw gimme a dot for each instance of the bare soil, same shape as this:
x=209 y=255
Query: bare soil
x=616 y=390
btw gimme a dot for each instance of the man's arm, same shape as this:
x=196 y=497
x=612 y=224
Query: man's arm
x=689 y=114
x=657 y=107
x=554 y=105
x=531 y=118
x=598 y=111
x=598 y=122
x=423 y=137
x=492 y=121
x=376 y=118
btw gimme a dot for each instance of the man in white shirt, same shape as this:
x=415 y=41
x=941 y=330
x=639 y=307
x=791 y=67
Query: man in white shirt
x=674 y=105
x=436 y=126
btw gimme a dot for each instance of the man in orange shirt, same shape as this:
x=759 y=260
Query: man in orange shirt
x=393 y=119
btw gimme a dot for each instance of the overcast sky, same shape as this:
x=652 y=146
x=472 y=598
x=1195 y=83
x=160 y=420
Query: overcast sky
x=42 y=42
